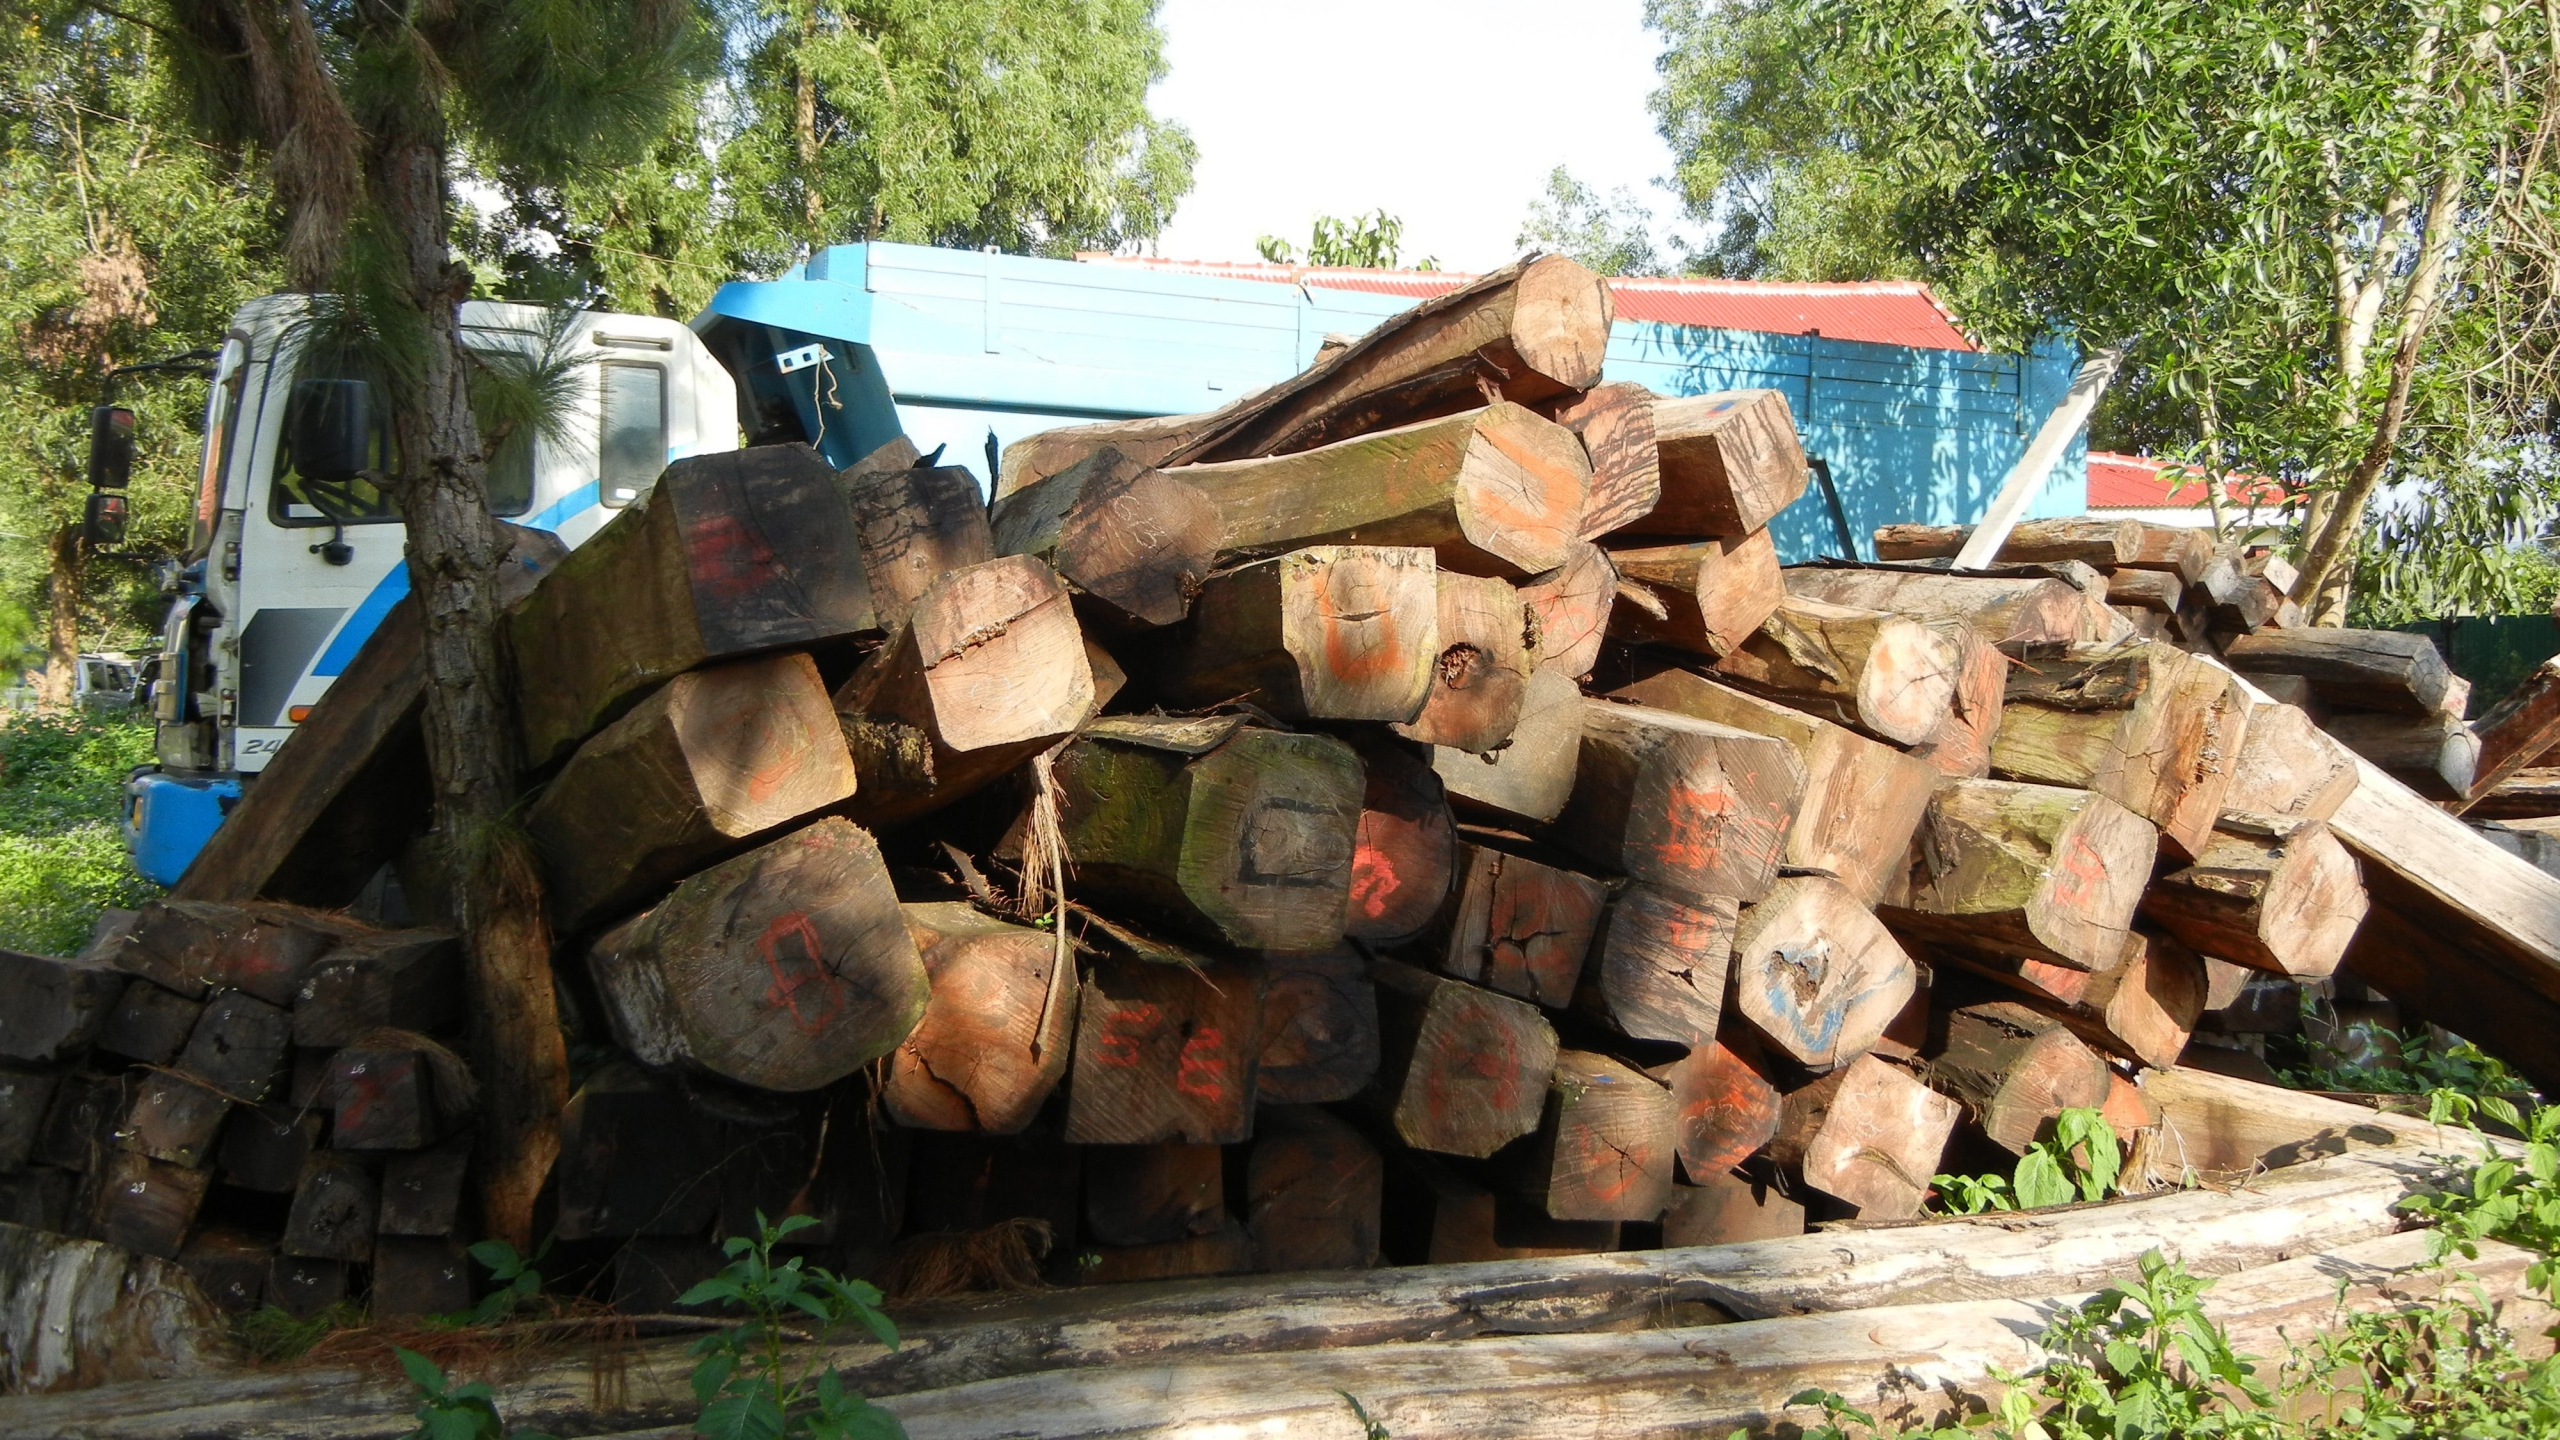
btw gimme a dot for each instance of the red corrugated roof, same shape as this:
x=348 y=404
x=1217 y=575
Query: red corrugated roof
x=2138 y=482
x=1885 y=312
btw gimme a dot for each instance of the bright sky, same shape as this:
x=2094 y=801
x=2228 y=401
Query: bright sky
x=1447 y=113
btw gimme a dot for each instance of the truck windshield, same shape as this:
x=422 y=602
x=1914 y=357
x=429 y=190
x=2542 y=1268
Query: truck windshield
x=296 y=500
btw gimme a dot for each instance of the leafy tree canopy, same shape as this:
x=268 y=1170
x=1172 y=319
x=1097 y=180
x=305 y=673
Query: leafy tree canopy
x=1608 y=235
x=1364 y=242
x=2322 y=231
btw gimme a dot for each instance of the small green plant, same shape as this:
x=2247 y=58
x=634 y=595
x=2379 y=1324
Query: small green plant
x=273 y=1335
x=2079 y=1161
x=447 y=1411
x=744 y=1377
x=1369 y=1429
x=2424 y=1067
x=517 y=1281
x=2515 y=1199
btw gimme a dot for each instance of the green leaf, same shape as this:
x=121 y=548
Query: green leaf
x=712 y=1376
x=2039 y=1181
x=880 y=1326
x=424 y=1373
x=718 y=1287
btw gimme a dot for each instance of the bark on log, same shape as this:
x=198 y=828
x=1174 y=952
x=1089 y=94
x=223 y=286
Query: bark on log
x=1877 y=673
x=2155 y=729
x=1816 y=972
x=1862 y=800
x=1164 y=1052
x=1530 y=779
x=1480 y=678
x=1570 y=606
x=316 y=828
x=1405 y=852
x=1604 y=1147
x=1034 y=458
x=1616 y=426
x=1496 y=491
x=79 y=1314
x=914 y=524
x=1134 y=539
x=1527 y=332
x=2015 y=1069
x=2027 y=870
x=786 y=968
x=1335 y=632
x=1705 y=596
x=1657 y=971
x=1312 y=1192
x=1319 y=1029
x=728 y=554
x=1241 y=835
x=1518 y=926
x=1868 y=1134
x=1464 y=1071
x=2283 y=896
x=987 y=672
x=997 y=1026
x=1697 y=808
x=1730 y=461
x=1724 y=1109
x=2007 y=612
x=709 y=762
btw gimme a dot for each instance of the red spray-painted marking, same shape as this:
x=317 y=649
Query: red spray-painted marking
x=1373 y=880
x=791 y=951
x=1122 y=1029
x=1203 y=1072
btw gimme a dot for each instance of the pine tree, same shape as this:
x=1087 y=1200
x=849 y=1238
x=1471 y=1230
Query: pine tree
x=360 y=108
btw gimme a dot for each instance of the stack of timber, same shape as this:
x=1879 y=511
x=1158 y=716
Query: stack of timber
x=1407 y=816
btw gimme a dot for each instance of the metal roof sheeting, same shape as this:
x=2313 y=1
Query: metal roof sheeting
x=2138 y=482
x=1883 y=312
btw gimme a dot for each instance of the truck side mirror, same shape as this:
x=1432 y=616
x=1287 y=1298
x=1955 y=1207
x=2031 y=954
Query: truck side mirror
x=329 y=429
x=110 y=447
x=102 y=524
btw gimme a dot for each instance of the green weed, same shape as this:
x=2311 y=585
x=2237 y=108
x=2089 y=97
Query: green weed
x=744 y=1380
x=2079 y=1161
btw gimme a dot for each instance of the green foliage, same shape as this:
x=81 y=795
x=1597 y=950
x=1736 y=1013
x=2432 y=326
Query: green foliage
x=121 y=241
x=2424 y=1068
x=744 y=1379
x=1611 y=235
x=1369 y=1429
x=516 y=1282
x=1363 y=242
x=271 y=1335
x=2238 y=193
x=2443 y=1369
x=2079 y=1161
x=62 y=856
x=453 y=1412
x=2516 y=1200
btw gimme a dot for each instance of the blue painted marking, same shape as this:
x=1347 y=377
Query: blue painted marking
x=568 y=507
x=361 y=622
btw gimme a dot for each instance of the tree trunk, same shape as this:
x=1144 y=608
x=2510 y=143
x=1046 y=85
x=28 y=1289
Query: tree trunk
x=454 y=547
x=62 y=621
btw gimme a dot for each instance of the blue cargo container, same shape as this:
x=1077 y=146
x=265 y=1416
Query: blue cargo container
x=972 y=351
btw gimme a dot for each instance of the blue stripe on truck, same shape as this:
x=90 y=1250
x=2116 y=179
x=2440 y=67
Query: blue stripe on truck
x=367 y=617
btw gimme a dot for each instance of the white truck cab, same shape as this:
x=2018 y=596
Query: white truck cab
x=286 y=576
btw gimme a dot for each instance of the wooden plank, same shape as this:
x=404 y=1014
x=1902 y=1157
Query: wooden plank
x=2384 y=670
